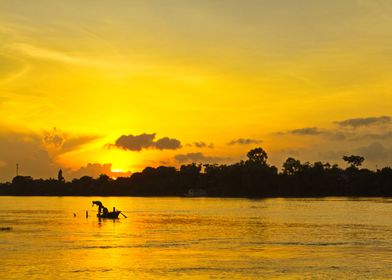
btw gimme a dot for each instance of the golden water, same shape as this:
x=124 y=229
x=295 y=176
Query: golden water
x=200 y=238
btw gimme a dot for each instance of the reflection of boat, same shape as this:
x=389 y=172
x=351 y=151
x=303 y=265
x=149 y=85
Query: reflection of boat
x=103 y=212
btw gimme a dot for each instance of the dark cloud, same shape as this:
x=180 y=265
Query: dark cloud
x=379 y=136
x=202 y=144
x=308 y=131
x=374 y=152
x=57 y=141
x=197 y=158
x=167 y=143
x=35 y=153
x=244 y=141
x=94 y=170
x=145 y=141
x=359 y=122
x=27 y=150
x=53 y=138
x=337 y=135
x=316 y=131
x=135 y=142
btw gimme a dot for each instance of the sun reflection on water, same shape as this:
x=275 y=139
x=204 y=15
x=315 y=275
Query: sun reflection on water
x=194 y=238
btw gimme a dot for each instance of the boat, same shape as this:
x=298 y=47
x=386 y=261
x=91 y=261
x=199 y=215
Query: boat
x=109 y=215
x=103 y=212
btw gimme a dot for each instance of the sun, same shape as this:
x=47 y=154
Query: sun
x=121 y=161
x=118 y=170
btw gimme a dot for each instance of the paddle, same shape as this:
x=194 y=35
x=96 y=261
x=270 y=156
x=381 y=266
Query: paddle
x=123 y=215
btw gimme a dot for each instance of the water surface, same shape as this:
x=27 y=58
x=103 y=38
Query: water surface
x=196 y=238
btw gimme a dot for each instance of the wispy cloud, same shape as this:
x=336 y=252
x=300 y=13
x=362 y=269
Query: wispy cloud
x=244 y=141
x=307 y=131
x=56 y=141
x=202 y=144
x=360 y=122
x=54 y=55
x=375 y=152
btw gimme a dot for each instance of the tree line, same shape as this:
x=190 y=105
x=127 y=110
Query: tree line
x=253 y=178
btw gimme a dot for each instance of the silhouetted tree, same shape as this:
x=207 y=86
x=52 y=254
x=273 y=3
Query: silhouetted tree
x=257 y=155
x=250 y=178
x=60 y=176
x=291 y=166
x=22 y=180
x=354 y=161
x=103 y=178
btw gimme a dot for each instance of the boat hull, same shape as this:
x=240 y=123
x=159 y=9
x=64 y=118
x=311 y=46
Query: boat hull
x=110 y=215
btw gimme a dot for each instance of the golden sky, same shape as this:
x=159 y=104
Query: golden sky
x=213 y=79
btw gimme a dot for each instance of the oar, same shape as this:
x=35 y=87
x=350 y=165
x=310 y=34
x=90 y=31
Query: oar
x=123 y=214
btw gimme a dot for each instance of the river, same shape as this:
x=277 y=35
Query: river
x=196 y=238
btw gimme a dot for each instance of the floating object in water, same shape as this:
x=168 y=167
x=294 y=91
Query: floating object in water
x=5 y=228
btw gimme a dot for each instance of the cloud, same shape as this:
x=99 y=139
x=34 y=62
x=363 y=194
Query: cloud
x=94 y=170
x=380 y=136
x=56 y=141
x=197 y=158
x=316 y=131
x=244 y=141
x=308 y=131
x=305 y=131
x=135 y=142
x=53 y=139
x=27 y=150
x=167 y=143
x=145 y=141
x=374 y=152
x=337 y=135
x=35 y=152
x=54 y=55
x=360 y=122
x=202 y=144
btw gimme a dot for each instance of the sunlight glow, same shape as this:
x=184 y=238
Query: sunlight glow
x=130 y=69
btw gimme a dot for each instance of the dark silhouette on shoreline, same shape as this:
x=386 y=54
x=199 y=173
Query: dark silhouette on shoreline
x=253 y=178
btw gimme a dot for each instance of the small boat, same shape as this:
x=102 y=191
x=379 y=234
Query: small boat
x=109 y=215
x=103 y=212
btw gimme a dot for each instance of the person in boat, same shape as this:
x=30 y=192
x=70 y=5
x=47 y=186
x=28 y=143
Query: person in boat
x=103 y=212
x=101 y=208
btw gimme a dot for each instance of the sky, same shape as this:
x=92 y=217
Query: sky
x=114 y=86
